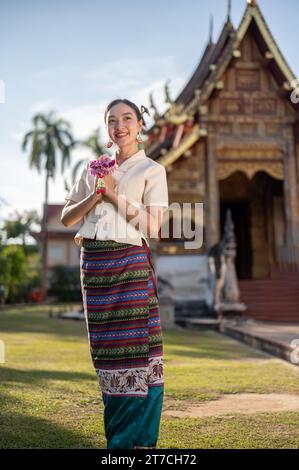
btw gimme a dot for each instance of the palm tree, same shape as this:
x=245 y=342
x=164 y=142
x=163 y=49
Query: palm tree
x=48 y=135
x=21 y=225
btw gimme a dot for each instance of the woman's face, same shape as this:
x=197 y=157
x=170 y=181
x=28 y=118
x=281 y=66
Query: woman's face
x=122 y=125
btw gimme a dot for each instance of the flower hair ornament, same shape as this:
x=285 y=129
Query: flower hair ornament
x=143 y=109
x=101 y=167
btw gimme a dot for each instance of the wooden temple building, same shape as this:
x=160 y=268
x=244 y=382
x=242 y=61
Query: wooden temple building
x=231 y=141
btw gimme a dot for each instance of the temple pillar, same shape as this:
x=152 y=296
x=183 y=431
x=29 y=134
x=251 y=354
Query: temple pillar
x=290 y=184
x=212 y=202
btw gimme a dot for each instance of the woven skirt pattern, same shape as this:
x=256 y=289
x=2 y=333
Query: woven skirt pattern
x=121 y=309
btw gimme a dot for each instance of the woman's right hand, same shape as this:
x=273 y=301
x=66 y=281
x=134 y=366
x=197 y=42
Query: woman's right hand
x=74 y=212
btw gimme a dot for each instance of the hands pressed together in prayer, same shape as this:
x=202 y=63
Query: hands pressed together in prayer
x=109 y=185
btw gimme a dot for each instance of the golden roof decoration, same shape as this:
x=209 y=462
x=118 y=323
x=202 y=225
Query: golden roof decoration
x=175 y=113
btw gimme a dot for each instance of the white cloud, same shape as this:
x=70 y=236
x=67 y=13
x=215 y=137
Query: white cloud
x=21 y=187
x=44 y=105
x=84 y=119
x=55 y=71
x=127 y=74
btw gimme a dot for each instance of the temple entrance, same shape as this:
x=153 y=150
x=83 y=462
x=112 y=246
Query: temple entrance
x=235 y=195
x=257 y=207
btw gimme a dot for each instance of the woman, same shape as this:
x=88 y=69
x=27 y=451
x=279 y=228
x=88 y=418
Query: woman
x=118 y=281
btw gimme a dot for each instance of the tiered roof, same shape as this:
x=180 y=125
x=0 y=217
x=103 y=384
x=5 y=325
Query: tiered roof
x=206 y=77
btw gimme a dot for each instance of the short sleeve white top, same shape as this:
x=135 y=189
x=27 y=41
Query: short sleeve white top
x=142 y=180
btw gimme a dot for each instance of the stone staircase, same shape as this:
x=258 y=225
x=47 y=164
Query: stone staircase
x=275 y=299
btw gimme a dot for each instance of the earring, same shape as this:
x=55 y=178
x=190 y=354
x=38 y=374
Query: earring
x=139 y=138
x=109 y=144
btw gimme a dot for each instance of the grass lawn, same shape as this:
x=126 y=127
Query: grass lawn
x=50 y=396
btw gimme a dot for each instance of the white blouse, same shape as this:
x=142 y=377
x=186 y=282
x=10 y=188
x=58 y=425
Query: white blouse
x=142 y=180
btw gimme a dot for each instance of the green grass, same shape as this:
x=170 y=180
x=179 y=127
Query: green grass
x=50 y=396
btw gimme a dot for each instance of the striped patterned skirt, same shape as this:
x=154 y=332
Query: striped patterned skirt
x=120 y=299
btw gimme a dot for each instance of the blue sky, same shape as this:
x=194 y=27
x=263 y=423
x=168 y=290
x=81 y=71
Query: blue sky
x=74 y=57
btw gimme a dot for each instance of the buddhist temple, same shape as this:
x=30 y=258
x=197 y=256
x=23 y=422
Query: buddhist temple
x=230 y=140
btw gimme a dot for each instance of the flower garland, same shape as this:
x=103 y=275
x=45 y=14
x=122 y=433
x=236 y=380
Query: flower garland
x=101 y=167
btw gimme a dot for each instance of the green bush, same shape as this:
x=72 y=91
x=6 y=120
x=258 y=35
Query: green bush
x=65 y=283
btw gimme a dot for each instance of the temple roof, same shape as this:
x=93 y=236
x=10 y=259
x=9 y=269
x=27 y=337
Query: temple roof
x=253 y=19
x=214 y=61
x=210 y=56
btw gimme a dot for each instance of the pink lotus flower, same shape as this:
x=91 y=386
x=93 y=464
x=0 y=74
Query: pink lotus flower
x=102 y=166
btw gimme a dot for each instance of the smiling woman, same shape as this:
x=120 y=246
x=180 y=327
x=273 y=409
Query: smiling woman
x=118 y=281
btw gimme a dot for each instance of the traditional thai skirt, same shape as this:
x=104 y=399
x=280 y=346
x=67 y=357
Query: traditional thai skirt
x=121 y=307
